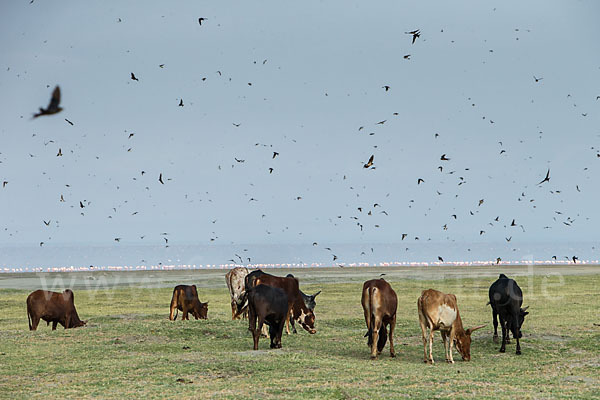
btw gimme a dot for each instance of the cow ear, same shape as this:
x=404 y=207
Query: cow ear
x=194 y=286
x=471 y=330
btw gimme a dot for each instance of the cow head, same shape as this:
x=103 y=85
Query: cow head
x=201 y=310
x=310 y=302
x=463 y=342
x=522 y=313
x=307 y=320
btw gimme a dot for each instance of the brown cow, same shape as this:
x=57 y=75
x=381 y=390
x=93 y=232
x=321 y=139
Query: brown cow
x=439 y=311
x=379 y=302
x=58 y=308
x=185 y=298
x=296 y=307
x=236 y=285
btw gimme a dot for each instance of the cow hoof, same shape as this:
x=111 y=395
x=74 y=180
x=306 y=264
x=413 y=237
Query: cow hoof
x=496 y=340
x=507 y=341
x=502 y=350
x=392 y=354
x=373 y=357
x=450 y=361
x=518 y=352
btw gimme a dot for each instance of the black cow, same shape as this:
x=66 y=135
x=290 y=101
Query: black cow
x=506 y=299
x=268 y=305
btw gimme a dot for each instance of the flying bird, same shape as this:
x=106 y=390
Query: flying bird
x=53 y=106
x=69 y=122
x=415 y=34
x=404 y=235
x=200 y=20
x=407 y=56
x=4 y=183
x=81 y=204
x=419 y=181
x=480 y=202
x=547 y=178
x=370 y=162
x=275 y=154
x=180 y=102
x=381 y=122
x=270 y=170
x=160 y=178
x=441 y=259
x=46 y=223
x=59 y=154
x=386 y=87
x=133 y=78
x=513 y=223
x=444 y=158
x=537 y=79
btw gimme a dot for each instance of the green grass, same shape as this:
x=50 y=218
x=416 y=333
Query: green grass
x=131 y=349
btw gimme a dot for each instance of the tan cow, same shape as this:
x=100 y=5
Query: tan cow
x=439 y=311
x=235 y=280
x=379 y=302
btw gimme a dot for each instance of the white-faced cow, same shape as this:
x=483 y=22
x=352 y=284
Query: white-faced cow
x=506 y=299
x=439 y=311
x=379 y=302
x=309 y=301
x=235 y=280
x=58 y=308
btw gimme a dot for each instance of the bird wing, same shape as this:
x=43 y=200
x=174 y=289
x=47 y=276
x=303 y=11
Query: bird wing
x=55 y=100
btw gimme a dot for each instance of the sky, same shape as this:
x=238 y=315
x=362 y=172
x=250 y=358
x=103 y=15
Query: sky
x=506 y=90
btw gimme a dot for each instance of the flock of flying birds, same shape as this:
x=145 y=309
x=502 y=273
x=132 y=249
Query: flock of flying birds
x=54 y=107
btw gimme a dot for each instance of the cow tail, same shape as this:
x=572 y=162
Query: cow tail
x=382 y=339
x=371 y=291
x=29 y=315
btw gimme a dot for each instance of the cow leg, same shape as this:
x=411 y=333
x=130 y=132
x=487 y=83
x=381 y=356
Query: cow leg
x=173 y=309
x=35 y=320
x=451 y=340
x=184 y=314
x=279 y=333
x=392 y=327
x=293 y=324
x=261 y=321
x=431 y=331
x=423 y=332
x=495 y=322
x=375 y=325
x=233 y=309
x=287 y=318
x=504 y=334
x=445 y=340
x=68 y=321
x=54 y=323
x=517 y=334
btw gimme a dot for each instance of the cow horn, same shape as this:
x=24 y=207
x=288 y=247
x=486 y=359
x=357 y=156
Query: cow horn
x=315 y=295
x=524 y=309
x=471 y=330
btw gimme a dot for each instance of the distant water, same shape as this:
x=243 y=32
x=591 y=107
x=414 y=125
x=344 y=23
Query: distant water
x=153 y=257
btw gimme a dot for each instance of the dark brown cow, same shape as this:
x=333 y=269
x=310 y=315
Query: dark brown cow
x=267 y=305
x=296 y=307
x=379 y=302
x=185 y=298
x=439 y=311
x=58 y=308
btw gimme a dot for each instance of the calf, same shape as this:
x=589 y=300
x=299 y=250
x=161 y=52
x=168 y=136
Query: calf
x=236 y=285
x=379 y=302
x=58 y=308
x=439 y=311
x=506 y=299
x=297 y=310
x=267 y=305
x=185 y=299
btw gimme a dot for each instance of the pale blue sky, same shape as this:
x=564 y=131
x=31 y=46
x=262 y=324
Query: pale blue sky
x=325 y=67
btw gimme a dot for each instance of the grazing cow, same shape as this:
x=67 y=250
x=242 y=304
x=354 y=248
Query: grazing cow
x=267 y=305
x=506 y=299
x=309 y=301
x=297 y=310
x=379 y=302
x=439 y=311
x=236 y=285
x=58 y=308
x=185 y=298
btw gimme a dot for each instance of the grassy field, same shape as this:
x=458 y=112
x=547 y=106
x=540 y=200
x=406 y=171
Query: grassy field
x=131 y=349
